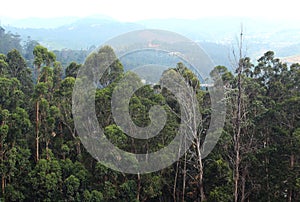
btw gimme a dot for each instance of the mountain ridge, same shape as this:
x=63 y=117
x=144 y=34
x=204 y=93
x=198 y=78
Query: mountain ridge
x=218 y=36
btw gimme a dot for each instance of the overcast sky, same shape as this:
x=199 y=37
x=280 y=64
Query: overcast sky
x=134 y=10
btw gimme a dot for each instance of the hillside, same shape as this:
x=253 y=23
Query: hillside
x=291 y=59
x=217 y=36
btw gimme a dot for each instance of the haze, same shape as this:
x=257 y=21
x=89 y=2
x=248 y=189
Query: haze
x=135 y=10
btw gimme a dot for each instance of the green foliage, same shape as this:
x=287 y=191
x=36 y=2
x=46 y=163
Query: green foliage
x=270 y=133
x=17 y=64
x=71 y=187
x=72 y=69
x=43 y=56
x=46 y=180
x=94 y=196
x=9 y=41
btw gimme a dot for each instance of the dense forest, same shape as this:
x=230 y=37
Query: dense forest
x=42 y=158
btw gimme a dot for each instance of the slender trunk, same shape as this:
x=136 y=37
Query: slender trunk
x=201 y=186
x=267 y=177
x=176 y=177
x=200 y=181
x=47 y=149
x=244 y=176
x=184 y=178
x=3 y=177
x=236 y=176
x=138 y=191
x=138 y=187
x=290 y=194
x=237 y=146
x=266 y=143
x=175 y=181
x=292 y=163
x=37 y=131
x=3 y=184
x=238 y=125
x=78 y=149
x=37 y=108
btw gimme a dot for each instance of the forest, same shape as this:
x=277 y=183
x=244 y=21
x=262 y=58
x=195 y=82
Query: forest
x=42 y=157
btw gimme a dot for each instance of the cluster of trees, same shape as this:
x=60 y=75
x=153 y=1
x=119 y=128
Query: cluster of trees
x=42 y=158
x=9 y=41
x=66 y=56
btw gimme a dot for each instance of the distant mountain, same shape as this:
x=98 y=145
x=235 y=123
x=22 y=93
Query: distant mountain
x=224 y=29
x=219 y=53
x=291 y=59
x=47 y=23
x=217 y=36
x=289 y=50
x=39 y=22
x=81 y=34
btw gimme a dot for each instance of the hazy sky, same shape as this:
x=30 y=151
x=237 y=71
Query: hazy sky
x=133 y=10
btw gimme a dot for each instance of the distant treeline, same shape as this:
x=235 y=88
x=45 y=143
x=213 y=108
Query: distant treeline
x=9 y=41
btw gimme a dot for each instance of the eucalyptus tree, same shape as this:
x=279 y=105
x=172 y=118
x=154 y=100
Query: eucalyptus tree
x=42 y=59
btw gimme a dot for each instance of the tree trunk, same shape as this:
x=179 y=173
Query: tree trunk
x=238 y=124
x=3 y=184
x=200 y=181
x=184 y=178
x=47 y=149
x=78 y=149
x=237 y=145
x=37 y=108
x=138 y=187
x=244 y=176
x=2 y=158
x=292 y=163
x=236 y=176
x=175 y=181
x=37 y=131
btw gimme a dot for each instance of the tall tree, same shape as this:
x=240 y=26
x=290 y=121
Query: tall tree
x=41 y=57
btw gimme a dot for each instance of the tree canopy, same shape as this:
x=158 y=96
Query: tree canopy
x=42 y=158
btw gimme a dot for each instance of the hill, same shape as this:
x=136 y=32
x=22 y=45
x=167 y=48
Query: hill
x=291 y=59
x=217 y=36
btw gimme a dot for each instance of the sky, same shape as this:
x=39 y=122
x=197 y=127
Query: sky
x=135 y=10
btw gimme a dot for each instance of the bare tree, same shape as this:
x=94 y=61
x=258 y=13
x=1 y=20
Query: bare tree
x=191 y=120
x=237 y=135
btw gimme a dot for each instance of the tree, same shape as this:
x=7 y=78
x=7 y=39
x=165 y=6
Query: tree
x=46 y=180
x=28 y=49
x=17 y=68
x=14 y=126
x=71 y=186
x=41 y=57
x=72 y=69
x=189 y=98
x=3 y=65
x=16 y=62
x=9 y=41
